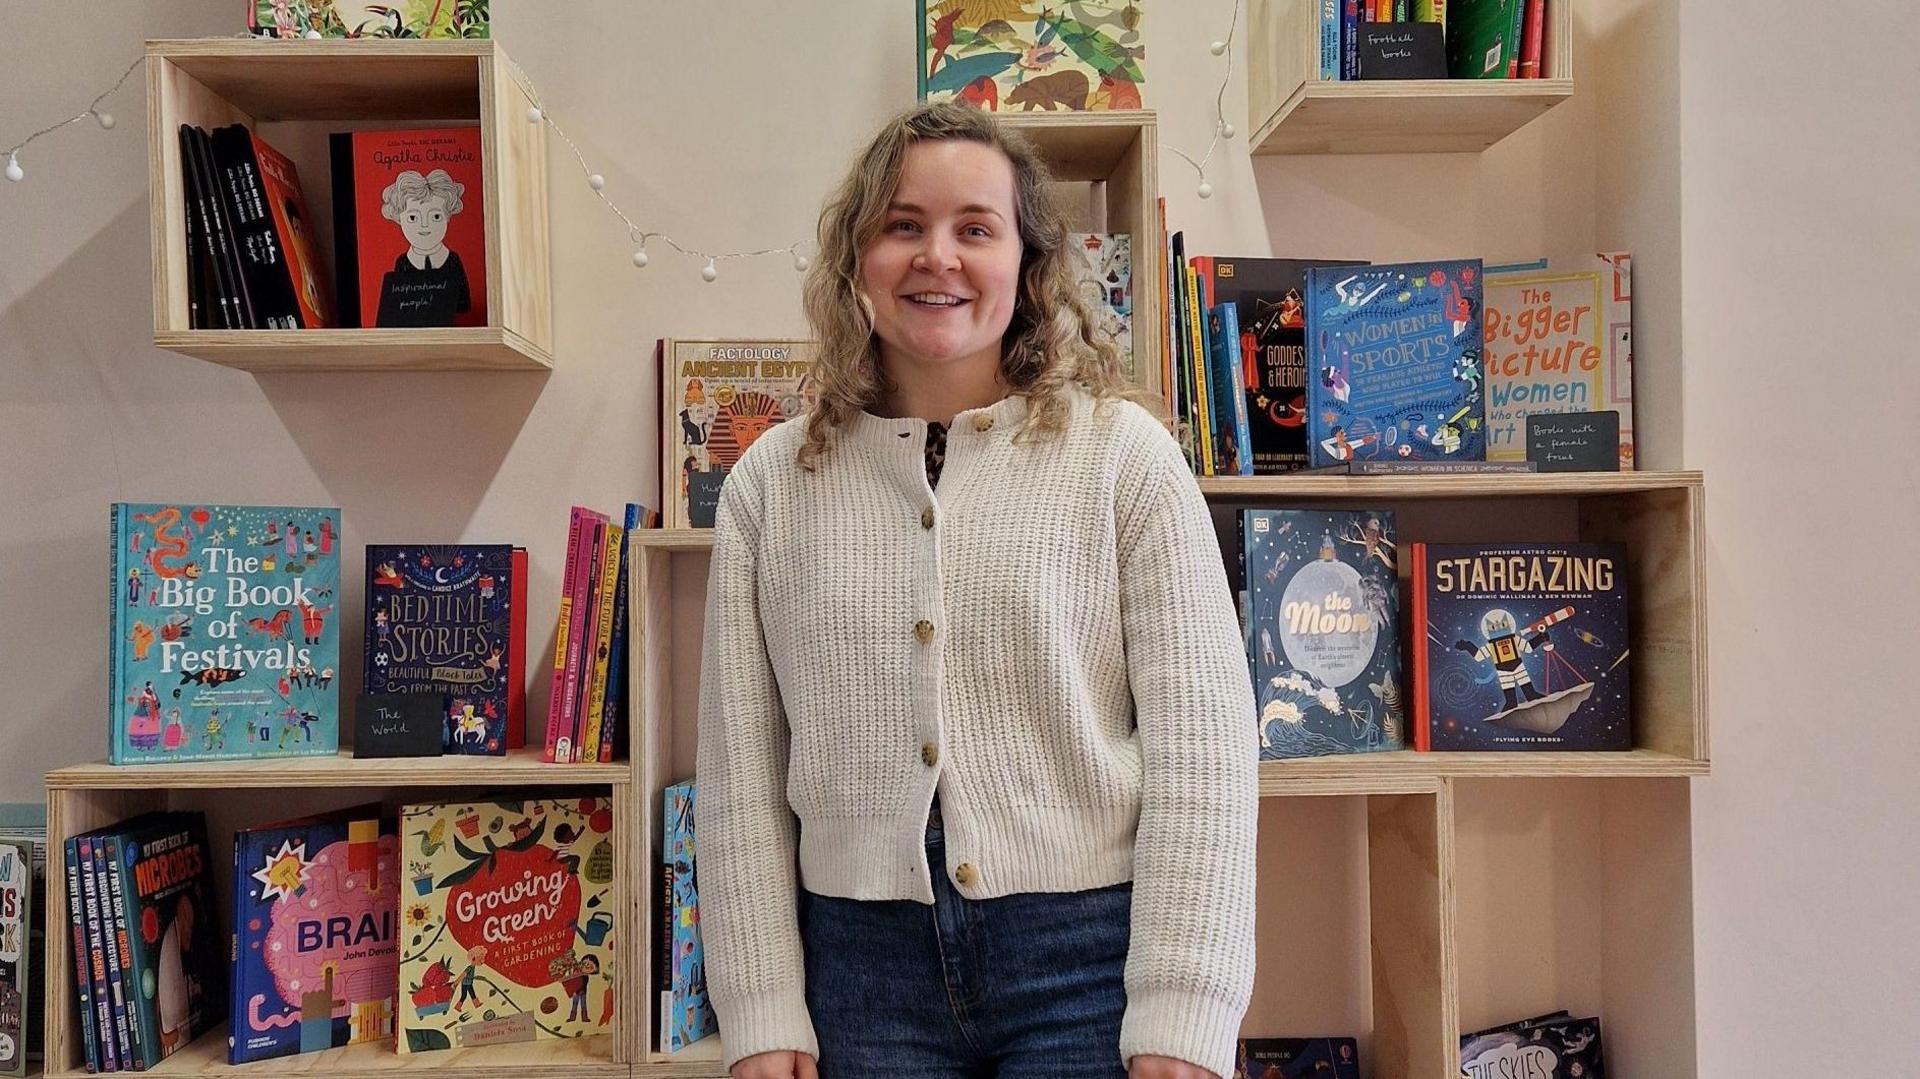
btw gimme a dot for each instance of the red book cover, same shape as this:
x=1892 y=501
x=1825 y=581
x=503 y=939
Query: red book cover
x=1422 y=732
x=579 y=519
x=288 y=206
x=517 y=655
x=1533 y=38
x=586 y=614
x=410 y=227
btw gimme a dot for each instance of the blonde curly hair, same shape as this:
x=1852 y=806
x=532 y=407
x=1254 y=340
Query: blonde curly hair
x=1054 y=337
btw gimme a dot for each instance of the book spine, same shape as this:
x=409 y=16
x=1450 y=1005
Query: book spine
x=920 y=73
x=120 y=970
x=1422 y=734
x=117 y=630
x=1350 y=39
x=1329 y=40
x=556 y=697
x=225 y=314
x=586 y=607
x=663 y=969
x=228 y=240
x=197 y=310
x=1516 y=30
x=614 y=725
x=346 y=232
x=1166 y=332
x=82 y=968
x=602 y=654
x=1532 y=37
x=517 y=600
x=243 y=196
x=1197 y=341
x=1235 y=366
x=96 y=958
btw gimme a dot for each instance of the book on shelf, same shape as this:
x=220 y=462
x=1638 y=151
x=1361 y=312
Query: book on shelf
x=316 y=935
x=1558 y=1044
x=1484 y=38
x=455 y=19
x=600 y=642
x=272 y=231
x=1323 y=630
x=583 y=525
x=1008 y=55
x=410 y=238
x=1226 y=364
x=509 y=922
x=613 y=718
x=449 y=620
x=717 y=398
x=1559 y=341
x=215 y=262
x=686 y=1015
x=1104 y=265
x=1396 y=467
x=1521 y=647
x=1393 y=355
x=24 y=825
x=1297 y=1058
x=223 y=643
x=17 y=890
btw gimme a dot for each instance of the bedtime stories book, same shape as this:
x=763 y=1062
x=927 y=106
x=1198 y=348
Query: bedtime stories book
x=1297 y=1058
x=1549 y=1047
x=410 y=238
x=1324 y=622
x=224 y=642
x=440 y=621
x=16 y=950
x=1559 y=339
x=316 y=915
x=1520 y=646
x=1394 y=357
x=1032 y=54
x=1105 y=269
x=686 y=1015
x=509 y=922
x=718 y=398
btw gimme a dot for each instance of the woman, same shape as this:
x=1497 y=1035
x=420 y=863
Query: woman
x=977 y=771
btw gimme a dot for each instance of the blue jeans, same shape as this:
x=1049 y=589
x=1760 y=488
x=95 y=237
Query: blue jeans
x=1020 y=987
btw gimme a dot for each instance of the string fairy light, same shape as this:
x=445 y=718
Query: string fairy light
x=1222 y=130
x=16 y=173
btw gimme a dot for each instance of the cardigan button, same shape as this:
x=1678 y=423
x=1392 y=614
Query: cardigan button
x=964 y=875
x=926 y=517
x=983 y=422
x=923 y=629
x=929 y=754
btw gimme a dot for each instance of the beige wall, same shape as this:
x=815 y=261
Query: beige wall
x=1788 y=186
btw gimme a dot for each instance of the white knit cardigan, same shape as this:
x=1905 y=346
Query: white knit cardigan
x=1048 y=641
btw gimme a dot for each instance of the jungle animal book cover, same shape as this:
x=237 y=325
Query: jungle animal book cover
x=1559 y=339
x=316 y=923
x=1521 y=646
x=410 y=237
x=718 y=398
x=508 y=932
x=1324 y=630
x=225 y=644
x=1395 y=358
x=1032 y=54
x=442 y=619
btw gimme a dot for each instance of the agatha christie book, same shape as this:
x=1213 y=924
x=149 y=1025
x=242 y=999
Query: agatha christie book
x=1559 y=340
x=315 y=935
x=410 y=238
x=1324 y=623
x=16 y=923
x=441 y=620
x=1550 y=1047
x=1022 y=55
x=224 y=641
x=509 y=922
x=1394 y=355
x=686 y=1015
x=1297 y=1058
x=718 y=398
x=1521 y=646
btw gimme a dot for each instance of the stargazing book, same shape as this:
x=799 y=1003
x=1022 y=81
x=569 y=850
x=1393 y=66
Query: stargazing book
x=1008 y=55
x=1323 y=630
x=1521 y=646
x=224 y=644
x=1393 y=355
x=316 y=921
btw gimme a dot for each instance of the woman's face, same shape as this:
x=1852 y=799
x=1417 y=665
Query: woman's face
x=424 y=222
x=944 y=271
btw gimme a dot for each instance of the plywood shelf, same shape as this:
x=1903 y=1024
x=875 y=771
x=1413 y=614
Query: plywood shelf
x=1408 y=772
x=1322 y=486
x=522 y=767
x=576 y=1058
x=477 y=348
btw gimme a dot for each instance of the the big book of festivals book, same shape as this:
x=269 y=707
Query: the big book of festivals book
x=225 y=632
x=1026 y=55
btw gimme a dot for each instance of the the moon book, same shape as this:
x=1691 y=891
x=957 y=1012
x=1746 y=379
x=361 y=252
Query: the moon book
x=507 y=930
x=1521 y=646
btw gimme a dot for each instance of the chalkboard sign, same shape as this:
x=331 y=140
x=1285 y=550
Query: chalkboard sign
x=1574 y=441
x=398 y=724
x=1401 y=50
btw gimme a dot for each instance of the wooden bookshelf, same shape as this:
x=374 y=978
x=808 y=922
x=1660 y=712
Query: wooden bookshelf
x=277 y=86
x=521 y=767
x=1291 y=110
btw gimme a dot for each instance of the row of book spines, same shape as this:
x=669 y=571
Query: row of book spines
x=589 y=672
x=119 y=1032
x=240 y=274
x=1202 y=365
x=1340 y=21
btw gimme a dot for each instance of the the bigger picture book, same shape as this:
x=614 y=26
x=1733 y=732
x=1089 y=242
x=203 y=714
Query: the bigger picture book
x=316 y=918
x=410 y=236
x=1324 y=630
x=225 y=632
x=1394 y=354
x=1559 y=339
x=1023 y=55
x=1521 y=646
x=718 y=397
x=508 y=922
x=441 y=621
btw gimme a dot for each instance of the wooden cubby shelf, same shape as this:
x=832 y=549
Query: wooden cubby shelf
x=1291 y=110
x=521 y=767
x=293 y=93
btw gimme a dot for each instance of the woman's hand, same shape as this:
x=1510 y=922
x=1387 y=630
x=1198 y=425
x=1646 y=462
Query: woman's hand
x=782 y=1064
x=1148 y=1067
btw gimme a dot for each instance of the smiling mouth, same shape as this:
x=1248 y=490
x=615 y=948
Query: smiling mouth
x=936 y=300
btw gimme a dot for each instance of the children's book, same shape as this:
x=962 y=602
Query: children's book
x=16 y=950
x=1521 y=646
x=1483 y=38
x=1105 y=267
x=224 y=640
x=316 y=931
x=1324 y=630
x=686 y=1015
x=508 y=922
x=356 y=18
x=718 y=398
x=1297 y=1058
x=25 y=825
x=1559 y=340
x=1557 y=1045
x=272 y=230
x=160 y=893
x=441 y=620
x=410 y=238
x=1394 y=355
x=1022 y=55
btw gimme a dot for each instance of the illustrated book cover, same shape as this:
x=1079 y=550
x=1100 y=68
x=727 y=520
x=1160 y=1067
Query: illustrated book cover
x=272 y=229
x=316 y=917
x=1521 y=646
x=16 y=951
x=1023 y=55
x=686 y=1013
x=161 y=923
x=718 y=397
x=225 y=644
x=1105 y=268
x=410 y=238
x=1555 y=1046
x=508 y=922
x=1395 y=358
x=1324 y=630
x=433 y=19
x=442 y=620
x=1297 y=1058
x=1559 y=340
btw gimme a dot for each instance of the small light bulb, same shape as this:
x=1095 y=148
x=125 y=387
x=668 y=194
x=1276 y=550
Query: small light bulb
x=312 y=35
x=533 y=114
x=105 y=119
x=596 y=181
x=1206 y=190
x=14 y=171
x=640 y=258
x=1226 y=131
x=1218 y=48
x=800 y=262
x=710 y=273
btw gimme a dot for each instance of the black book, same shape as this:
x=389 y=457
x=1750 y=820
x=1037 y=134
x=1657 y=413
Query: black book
x=219 y=302
x=226 y=251
x=200 y=313
x=255 y=240
x=346 y=235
